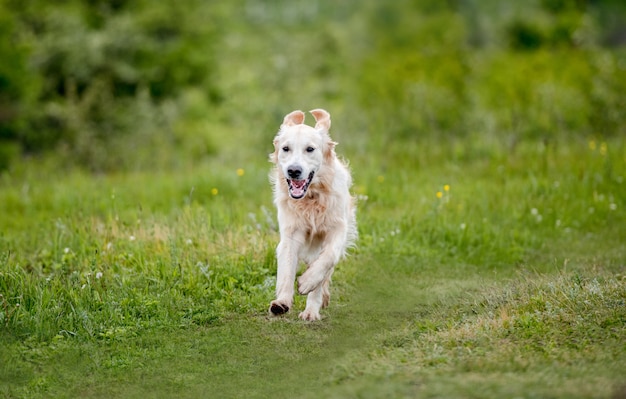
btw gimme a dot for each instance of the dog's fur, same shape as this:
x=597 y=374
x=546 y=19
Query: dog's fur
x=316 y=213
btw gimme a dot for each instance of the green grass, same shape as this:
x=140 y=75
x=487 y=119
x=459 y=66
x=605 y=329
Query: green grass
x=149 y=284
x=492 y=203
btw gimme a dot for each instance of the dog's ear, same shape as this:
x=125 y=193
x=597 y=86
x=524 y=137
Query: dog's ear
x=322 y=119
x=293 y=118
x=273 y=157
x=329 y=150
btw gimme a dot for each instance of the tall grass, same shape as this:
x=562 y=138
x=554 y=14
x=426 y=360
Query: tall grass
x=87 y=255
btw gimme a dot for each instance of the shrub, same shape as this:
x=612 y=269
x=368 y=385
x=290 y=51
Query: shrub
x=108 y=70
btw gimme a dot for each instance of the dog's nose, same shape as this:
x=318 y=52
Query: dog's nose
x=294 y=172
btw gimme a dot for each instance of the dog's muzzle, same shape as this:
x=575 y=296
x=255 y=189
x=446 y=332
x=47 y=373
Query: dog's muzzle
x=297 y=188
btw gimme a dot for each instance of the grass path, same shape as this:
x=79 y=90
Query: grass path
x=369 y=345
x=249 y=355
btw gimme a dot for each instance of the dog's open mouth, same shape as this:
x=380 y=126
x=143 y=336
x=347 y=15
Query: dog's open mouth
x=297 y=188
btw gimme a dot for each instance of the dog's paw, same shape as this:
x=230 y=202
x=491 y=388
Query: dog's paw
x=308 y=282
x=278 y=307
x=309 y=315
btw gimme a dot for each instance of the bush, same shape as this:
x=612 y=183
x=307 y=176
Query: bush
x=107 y=70
x=426 y=76
x=119 y=84
x=18 y=85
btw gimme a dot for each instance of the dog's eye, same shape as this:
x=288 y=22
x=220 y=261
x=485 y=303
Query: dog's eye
x=286 y=149
x=310 y=149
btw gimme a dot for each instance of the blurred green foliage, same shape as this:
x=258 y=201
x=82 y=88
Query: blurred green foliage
x=118 y=84
x=92 y=79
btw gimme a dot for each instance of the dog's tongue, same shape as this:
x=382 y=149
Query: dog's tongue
x=297 y=187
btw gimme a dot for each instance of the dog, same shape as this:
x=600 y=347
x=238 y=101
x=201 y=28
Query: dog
x=316 y=212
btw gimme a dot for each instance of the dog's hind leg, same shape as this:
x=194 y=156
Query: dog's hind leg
x=326 y=293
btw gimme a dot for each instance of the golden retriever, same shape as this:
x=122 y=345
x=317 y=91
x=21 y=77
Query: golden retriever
x=316 y=213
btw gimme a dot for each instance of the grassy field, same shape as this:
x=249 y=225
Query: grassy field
x=494 y=277
x=492 y=253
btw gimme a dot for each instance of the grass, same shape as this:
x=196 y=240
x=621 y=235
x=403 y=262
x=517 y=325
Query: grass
x=473 y=277
x=491 y=259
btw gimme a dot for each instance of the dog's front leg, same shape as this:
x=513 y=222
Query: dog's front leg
x=316 y=300
x=287 y=257
x=322 y=268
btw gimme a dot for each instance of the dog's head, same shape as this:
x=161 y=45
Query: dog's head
x=301 y=150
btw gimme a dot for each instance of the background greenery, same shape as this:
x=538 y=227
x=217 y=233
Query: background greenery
x=107 y=85
x=137 y=231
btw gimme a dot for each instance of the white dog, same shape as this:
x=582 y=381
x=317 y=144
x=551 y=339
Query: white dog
x=316 y=213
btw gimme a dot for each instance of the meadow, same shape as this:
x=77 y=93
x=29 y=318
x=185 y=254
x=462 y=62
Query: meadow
x=489 y=162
